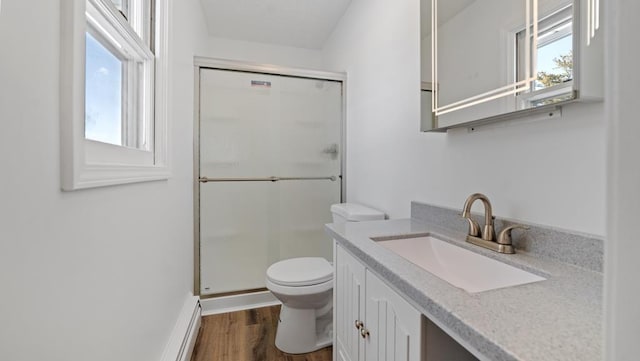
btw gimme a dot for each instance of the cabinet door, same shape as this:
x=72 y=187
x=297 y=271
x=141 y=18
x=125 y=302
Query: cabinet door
x=349 y=305
x=394 y=326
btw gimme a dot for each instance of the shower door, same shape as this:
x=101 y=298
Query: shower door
x=269 y=169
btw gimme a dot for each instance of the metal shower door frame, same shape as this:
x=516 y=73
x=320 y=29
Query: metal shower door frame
x=249 y=67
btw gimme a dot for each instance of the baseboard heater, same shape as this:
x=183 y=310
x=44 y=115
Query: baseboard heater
x=183 y=338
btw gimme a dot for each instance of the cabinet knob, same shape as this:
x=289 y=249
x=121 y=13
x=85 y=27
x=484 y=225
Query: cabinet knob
x=364 y=332
x=359 y=324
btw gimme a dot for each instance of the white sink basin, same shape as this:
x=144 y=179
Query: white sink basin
x=460 y=267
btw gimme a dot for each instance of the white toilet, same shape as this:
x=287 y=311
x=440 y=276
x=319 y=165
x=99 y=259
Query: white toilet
x=305 y=288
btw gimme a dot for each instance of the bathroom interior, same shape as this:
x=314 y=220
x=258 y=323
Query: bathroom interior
x=396 y=178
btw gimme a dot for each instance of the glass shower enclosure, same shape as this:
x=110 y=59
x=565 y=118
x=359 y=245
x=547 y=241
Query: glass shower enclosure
x=269 y=168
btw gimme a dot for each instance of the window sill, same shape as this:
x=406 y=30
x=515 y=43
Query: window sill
x=91 y=176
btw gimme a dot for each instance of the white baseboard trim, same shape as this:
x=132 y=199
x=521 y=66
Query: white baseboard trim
x=185 y=332
x=213 y=306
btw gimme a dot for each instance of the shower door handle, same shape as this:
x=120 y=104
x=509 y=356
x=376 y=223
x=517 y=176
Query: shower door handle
x=264 y=179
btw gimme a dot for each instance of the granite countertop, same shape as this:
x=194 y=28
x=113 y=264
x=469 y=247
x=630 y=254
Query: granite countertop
x=557 y=319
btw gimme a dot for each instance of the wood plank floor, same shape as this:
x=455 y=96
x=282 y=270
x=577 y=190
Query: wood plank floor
x=246 y=336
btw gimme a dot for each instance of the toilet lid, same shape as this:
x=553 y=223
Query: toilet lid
x=304 y=271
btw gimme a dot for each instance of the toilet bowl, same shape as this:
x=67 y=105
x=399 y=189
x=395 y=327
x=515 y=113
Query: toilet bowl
x=305 y=288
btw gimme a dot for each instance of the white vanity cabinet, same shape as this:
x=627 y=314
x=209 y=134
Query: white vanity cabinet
x=372 y=322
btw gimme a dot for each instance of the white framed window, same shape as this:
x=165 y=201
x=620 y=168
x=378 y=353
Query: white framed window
x=554 y=61
x=114 y=92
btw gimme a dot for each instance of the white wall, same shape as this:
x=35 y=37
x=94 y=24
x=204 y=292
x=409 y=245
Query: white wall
x=97 y=274
x=622 y=314
x=547 y=172
x=482 y=29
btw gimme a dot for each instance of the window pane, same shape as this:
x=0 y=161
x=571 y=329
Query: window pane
x=103 y=94
x=555 y=63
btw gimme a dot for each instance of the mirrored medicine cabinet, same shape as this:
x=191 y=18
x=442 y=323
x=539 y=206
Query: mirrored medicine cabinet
x=484 y=61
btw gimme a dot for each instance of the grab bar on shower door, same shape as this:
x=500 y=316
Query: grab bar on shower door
x=265 y=179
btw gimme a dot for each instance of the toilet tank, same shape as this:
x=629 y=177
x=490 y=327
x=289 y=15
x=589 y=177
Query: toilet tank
x=352 y=212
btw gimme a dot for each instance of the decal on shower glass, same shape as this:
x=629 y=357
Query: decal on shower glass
x=261 y=84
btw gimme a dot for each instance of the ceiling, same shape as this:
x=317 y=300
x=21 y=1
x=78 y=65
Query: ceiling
x=296 y=23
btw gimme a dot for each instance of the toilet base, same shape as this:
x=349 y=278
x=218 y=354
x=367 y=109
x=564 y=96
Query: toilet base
x=302 y=331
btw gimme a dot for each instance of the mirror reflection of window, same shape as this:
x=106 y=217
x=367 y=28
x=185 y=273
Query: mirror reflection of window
x=554 y=79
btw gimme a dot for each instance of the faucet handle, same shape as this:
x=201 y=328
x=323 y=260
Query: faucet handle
x=505 y=235
x=474 y=227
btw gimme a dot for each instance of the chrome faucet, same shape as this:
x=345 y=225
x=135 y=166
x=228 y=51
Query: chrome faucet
x=486 y=238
